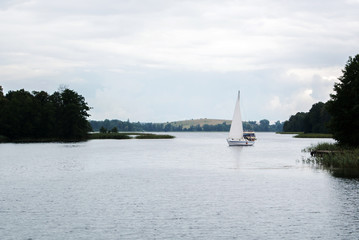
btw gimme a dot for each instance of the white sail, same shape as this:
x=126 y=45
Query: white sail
x=236 y=131
x=236 y=137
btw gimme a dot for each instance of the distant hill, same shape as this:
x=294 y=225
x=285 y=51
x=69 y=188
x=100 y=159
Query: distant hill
x=201 y=122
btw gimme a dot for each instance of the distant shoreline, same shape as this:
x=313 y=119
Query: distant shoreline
x=91 y=136
x=129 y=135
x=308 y=135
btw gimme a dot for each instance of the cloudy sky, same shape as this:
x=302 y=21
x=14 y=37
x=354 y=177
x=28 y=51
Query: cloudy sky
x=167 y=60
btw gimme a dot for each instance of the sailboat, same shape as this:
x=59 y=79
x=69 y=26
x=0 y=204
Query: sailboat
x=235 y=137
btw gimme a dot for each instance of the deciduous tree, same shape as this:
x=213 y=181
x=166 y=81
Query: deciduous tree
x=344 y=105
x=37 y=115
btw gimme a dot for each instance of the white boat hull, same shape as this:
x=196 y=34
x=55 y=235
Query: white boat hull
x=239 y=142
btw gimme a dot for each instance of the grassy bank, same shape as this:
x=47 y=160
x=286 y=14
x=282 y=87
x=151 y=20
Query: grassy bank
x=308 y=135
x=41 y=140
x=90 y=137
x=342 y=161
x=109 y=136
x=129 y=136
x=154 y=136
x=289 y=132
x=313 y=135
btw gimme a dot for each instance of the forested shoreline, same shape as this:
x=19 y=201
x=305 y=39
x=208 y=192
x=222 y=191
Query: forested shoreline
x=118 y=125
x=342 y=157
x=39 y=116
x=339 y=116
x=315 y=121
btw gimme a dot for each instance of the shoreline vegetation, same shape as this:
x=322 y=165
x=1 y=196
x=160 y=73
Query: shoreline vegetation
x=314 y=135
x=342 y=161
x=39 y=117
x=288 y=132
x=91 y=136
x=340 y=158
x=129 y=135
x=308 y=135
x=194 y=125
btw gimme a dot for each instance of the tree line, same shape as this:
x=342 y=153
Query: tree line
x=62 y=116
x=314 y=121
x=113 y=125
x=38 y=115
x=340 y=115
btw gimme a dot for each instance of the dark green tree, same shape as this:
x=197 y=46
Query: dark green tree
x=3 y=103
x=248 y=126
x=316 y=120
x=295 y=123
x=264 y=125
x=168 y=127
x=278 y=126
x=114 y=130
x=37 y=115
x=44 y=120
x=344 y=105
x=17 y=115
x=103 y=130
x=71 y=115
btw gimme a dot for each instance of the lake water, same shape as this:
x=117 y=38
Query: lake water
x=190 y=187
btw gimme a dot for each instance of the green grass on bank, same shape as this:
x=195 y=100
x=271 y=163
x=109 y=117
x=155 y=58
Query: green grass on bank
x=91 y=136
x=154 y=136
x=289 y=132
x=340 y=160
x=41 y=140
x=308 y=135
x=129 y=136
x=313 y=135
x=326 y=147
x=109 y=136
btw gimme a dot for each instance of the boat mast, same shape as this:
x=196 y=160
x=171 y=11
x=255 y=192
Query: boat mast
x=236 y=130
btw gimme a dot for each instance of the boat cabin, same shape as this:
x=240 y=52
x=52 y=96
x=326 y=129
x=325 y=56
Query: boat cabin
x=250 y=136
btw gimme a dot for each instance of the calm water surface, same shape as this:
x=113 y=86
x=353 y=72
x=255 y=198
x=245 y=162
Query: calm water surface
x=190 y=187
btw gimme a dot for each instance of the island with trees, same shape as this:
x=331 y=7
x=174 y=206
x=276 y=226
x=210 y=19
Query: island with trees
x=39 y=116
x=59 y=117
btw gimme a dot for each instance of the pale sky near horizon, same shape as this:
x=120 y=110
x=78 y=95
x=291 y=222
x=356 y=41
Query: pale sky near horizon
x=168 y=60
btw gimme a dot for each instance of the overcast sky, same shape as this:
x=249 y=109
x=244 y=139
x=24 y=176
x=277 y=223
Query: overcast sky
x=167 y=60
